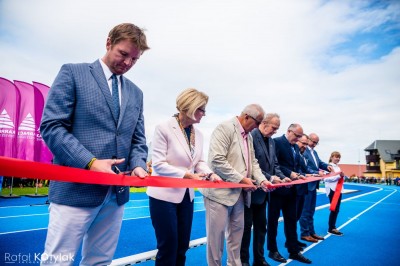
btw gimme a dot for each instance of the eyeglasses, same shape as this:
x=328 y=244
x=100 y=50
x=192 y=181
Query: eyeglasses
x=255 y=120
x=304 y=143
x=315 y=142
x=297 y=136
x=201 y=110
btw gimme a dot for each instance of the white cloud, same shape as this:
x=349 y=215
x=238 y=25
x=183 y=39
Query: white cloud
x=276 y=53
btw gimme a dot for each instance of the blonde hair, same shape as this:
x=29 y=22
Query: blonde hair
x=189 y=100
x=334 y=154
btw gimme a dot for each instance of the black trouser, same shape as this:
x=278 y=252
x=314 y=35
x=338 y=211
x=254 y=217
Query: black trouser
x=255 y=216
x=172 y=223
x=286 y=203
x=334 y=214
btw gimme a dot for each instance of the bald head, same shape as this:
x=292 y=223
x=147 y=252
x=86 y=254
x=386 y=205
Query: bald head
x=293 y=133
x=313 y=140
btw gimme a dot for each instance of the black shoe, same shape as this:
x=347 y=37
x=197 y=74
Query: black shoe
x=301 y=244
x=335 y=232
x=298 y=247
x=263 y=263
x=299 y=257
x=245 y=264
x=277 y=257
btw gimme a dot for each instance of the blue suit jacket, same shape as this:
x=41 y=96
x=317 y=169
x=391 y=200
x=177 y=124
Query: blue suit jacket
x=288 y=162
x=314 y=167
x=79 y=123
x=268 y=163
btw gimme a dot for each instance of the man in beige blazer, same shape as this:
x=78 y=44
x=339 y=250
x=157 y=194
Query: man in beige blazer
x=231 y=156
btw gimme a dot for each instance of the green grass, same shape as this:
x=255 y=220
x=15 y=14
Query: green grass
x=24 y=191
x=45 y=190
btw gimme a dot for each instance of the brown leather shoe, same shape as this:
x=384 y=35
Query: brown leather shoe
x=309 y=239
x=317 y=237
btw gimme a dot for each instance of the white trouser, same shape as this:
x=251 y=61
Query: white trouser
x=97 y=227
x=224 y=222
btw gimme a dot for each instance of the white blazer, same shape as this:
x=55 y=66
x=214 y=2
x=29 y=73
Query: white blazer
x=331 y=182
x=171 y=157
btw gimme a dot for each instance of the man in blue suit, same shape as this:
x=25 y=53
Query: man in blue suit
x=288 y=155
x=93 y=119
x=307 y=215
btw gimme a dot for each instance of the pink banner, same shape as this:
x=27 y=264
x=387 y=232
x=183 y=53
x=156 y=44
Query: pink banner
x=27 y=129
x=42 y=153
x=9 y=111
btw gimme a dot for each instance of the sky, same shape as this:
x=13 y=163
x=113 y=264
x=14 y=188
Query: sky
x=331 y=66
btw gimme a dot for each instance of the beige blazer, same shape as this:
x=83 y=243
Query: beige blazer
x=171 y=157
x=226 y=158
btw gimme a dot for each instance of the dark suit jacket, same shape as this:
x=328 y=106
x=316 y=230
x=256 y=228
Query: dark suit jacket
x=79 y=123
x=314 y=167
x=288 y=162
x=268 y=163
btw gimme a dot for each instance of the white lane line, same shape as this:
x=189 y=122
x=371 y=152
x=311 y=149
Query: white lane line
x=23 y=231
x=343 y=225
x=24 y=215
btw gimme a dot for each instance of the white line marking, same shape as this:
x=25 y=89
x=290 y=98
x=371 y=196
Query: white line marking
x=346 y=223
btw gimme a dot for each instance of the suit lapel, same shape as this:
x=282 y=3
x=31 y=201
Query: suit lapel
x=100 y=78
x=265 y=148
x=311 y=158
x=181 y=138
x=240 y=138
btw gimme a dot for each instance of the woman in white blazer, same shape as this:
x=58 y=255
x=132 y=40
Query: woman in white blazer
x=330 y=188
x=177 y=153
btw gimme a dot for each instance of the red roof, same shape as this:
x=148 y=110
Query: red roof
x=353 y=169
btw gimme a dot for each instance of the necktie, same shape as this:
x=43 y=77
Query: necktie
x=115 y=94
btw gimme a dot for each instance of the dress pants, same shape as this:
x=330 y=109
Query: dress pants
x=286 y=203
x=98 y=227
x=333 y=214
x=255 y=216
x=172 y=224
x=224 y=222
x=307 y=216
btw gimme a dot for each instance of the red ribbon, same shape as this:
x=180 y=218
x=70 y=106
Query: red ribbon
x=336 y=195
x=35 y=170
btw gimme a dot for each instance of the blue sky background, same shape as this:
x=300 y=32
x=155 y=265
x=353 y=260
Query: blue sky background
x=332 y=66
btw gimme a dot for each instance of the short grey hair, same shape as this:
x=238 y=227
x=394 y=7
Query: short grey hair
x=254 y=110
x=268 y=117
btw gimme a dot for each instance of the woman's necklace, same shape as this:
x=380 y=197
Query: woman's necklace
x=190 y=141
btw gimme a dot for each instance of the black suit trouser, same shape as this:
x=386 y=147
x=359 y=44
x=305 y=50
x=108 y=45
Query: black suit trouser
x=255 y=216
x=286 y=203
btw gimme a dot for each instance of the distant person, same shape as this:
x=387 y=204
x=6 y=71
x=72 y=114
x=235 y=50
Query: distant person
x=307 y=230
x=330 y=188
x=231 y=156
x=255 y=216
x=93 y=119
x=177 y=153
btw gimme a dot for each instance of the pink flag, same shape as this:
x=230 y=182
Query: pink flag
x=26 y=136
x=9 y=111
x=42 y=153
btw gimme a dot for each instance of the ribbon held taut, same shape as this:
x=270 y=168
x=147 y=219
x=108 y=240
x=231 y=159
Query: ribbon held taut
x=35 y=170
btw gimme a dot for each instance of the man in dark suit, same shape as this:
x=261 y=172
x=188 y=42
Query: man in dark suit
x=303 y=188
x=255 y=215
x=317 y=166
x=93 y=119
x=287 y=153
